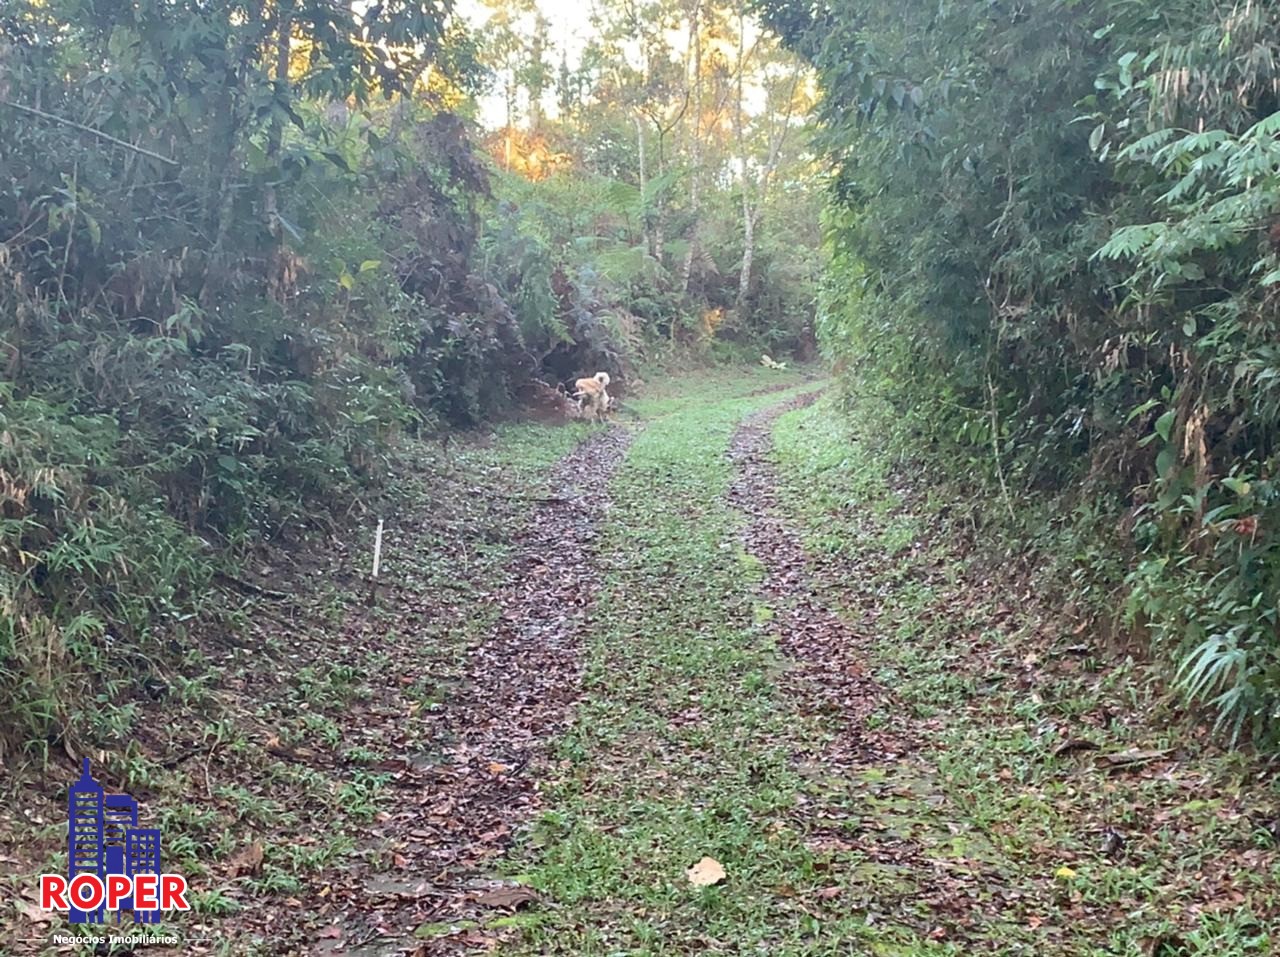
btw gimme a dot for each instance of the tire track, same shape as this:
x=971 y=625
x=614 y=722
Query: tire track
x=829 y=674
x=873 y=799
x=521 y=682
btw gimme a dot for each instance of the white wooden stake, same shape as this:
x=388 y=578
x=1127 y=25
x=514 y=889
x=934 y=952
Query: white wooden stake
x=377 y=550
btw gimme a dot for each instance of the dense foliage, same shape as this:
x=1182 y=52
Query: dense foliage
x=191 y=350
x=1053 y=256
x=245 y=245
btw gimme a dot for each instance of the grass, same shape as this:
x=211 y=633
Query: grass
x=684 y=744
x=985 y=673
x=295 y=686
x=694 y=736
x=987 y=839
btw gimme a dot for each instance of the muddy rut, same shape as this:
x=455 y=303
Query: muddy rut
x=493 y=730
x=522 y=681
x=828 y=675
x=872 y=743
x=878 y=810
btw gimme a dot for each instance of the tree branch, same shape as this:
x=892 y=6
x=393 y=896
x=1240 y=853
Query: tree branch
x=87 y=129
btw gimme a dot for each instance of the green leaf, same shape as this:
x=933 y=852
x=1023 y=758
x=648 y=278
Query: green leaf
x=370 y=264
x=293 y=115
x=336 y=159
x=1240 y=486
x=95 y=230
x=1095 y=138
x=1140 y=409
x=289 y=228
x=1164 y=424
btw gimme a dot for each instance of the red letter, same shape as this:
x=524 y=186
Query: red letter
x=173 y=887
x=144 y=892
x=118 y=886
x=86 y=891
x=53 y=892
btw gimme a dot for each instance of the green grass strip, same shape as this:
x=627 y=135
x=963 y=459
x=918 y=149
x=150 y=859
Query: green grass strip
x=683 y=745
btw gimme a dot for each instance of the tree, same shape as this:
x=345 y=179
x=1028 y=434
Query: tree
x=762 y=144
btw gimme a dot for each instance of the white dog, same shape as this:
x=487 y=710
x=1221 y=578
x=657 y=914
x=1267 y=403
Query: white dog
x=591 y=395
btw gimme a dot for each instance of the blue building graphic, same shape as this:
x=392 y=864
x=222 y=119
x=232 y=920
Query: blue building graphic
x=103 y=838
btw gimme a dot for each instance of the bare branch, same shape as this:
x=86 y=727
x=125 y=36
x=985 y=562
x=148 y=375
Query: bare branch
x=87 y=129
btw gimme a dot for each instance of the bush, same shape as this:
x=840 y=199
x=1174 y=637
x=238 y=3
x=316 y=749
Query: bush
x=1067 y=297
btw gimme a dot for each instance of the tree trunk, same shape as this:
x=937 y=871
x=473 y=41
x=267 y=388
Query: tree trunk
x=659 y=229
x=275 y=136
x=221 y=172
x=748 y=217
x=510 y=131
x=748 y=254
x=644 y=206
x=537 y=78
x=695 y=187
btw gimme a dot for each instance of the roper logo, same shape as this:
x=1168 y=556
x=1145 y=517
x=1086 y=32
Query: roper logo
x=112 y=864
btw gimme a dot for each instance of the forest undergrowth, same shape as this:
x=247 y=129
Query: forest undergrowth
x=245 y=252
x=285 y=751
x=1054 y=256
x=1079 y=806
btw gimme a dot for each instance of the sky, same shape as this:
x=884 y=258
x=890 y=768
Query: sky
x=570 y=30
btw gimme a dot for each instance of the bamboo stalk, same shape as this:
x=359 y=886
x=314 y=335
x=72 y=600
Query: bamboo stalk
x=87 y=129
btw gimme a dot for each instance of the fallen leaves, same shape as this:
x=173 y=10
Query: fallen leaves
x=1130 y=758
x=33 y=912
x=513 y=897
x=245 y=862
x=1161 y=945
x=384 y=886
x=705 y=873
x=1071 y=745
